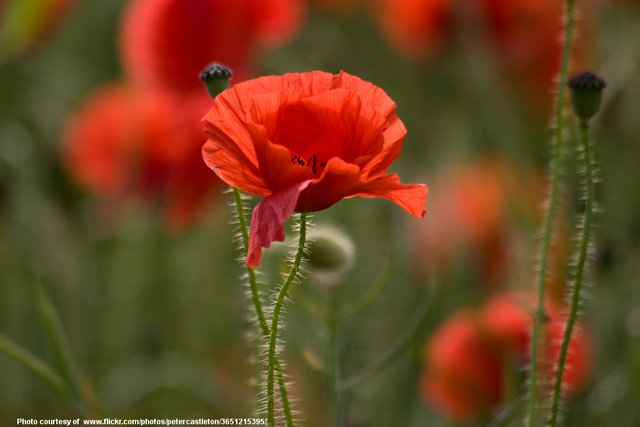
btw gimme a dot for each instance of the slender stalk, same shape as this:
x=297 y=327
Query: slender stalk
x=331 y=366
x=257 y=303
x=550 y=213
x=583 y=248
x=372 y=293
x=505 y=416
x=61 y=350
x=253 y=284
x=34 y=364
x=406 y=339
x=273 y=338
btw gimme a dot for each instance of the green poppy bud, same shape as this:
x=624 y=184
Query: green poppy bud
x=331 y=254
x=216 y=78
x=586 y=94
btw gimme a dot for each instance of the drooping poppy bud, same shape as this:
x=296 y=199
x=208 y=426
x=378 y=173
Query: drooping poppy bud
x=331 y=254
x=586 y=94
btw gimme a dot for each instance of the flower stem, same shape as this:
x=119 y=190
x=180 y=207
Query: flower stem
x=61 y=349
x=583 y=248
x=407 y=338
x=273 y=338
x=255 y=296
x=35 y=365
x=331 y=363
x=550 y=213
x=257 y=303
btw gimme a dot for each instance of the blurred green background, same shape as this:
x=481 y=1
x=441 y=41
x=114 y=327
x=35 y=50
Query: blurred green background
x=157 y=321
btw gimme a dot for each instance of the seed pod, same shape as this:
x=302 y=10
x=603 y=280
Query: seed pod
x=586 y=94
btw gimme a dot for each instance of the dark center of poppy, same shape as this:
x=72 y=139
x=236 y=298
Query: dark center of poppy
x=312 y=162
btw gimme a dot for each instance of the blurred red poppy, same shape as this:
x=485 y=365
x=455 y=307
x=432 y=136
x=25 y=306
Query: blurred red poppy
x=415 y=27
x=463 y=376
x=524 y=34
x=474 y=213
x=506 y=319
x=166 y=43
x=468 y=357
x=123 y=142
x=305 y=141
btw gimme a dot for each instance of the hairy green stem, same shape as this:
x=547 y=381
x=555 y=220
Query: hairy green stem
x=253 y=284
x=583 y=249
x=273 y=337
x=532 y=418
x=257 y=303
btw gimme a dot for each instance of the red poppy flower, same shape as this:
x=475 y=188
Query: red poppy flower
x=527 y=36
x=123 y=141
x=506 y=319
x=166 y=43
x=304 y=142
x=415 y=27
x=468 y=356
x=463 y=376
x=473 y=213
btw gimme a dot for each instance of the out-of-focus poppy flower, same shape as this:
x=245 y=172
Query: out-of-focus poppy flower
x=524 y=34
x=467 y=358
x=473 y=211
x=166 y=43
x=305 y=141
x=507 y=318
x=24 y=24
x=463 y=371
x=118 y=141
x=415 y=27
x=123 y=142
x=190 y=184
x=579 y=354
x=527 y=37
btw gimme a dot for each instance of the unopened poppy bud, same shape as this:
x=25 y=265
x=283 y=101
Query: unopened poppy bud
x=586 y=94
x=331 y=254
x=216 y=78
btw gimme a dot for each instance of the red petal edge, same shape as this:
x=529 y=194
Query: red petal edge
x=410 y=197
x=268 y=219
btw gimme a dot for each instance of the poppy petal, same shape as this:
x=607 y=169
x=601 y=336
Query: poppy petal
x=275 y=161
x=333 y=123
x=372 y=96
x=268 y=219
x=410 y=197
x=337 y=179
x=231 y=163
x=391 y=148
x=369 y=94
x=227 y=117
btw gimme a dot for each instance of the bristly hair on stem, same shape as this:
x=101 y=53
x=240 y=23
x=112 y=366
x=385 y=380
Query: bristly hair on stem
x=532 y=417
x=259 y=331
x=581 y=262
x=280 y=297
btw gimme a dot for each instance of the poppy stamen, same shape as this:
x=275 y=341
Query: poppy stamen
x=311 y=162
